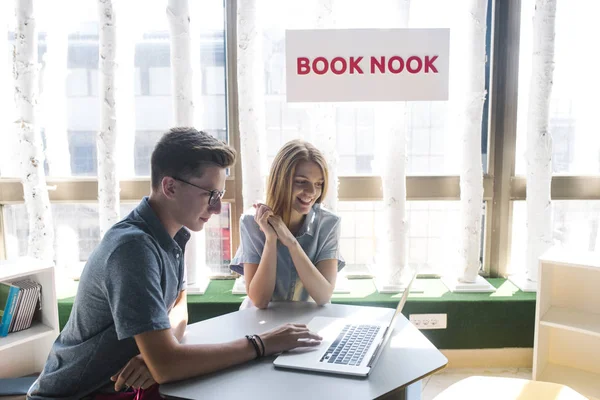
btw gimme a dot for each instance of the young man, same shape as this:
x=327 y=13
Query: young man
x=130 y=313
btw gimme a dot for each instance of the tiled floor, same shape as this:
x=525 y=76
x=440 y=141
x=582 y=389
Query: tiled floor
x=435 y=384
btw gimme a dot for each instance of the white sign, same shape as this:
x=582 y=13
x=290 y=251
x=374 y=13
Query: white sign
x=367 y=65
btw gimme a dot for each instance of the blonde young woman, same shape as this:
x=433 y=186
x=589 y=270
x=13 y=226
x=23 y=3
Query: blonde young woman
x=289 y=247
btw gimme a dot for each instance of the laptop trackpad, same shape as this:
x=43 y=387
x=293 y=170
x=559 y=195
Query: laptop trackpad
x=301 y=350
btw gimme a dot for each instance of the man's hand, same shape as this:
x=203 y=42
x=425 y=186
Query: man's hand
x=288 y=337
x=134 y=374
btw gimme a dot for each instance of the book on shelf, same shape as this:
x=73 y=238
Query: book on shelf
x=18 y=303
x=8 y=302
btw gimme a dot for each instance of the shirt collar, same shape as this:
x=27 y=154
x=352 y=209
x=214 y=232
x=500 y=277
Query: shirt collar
x=308 y=226
x=158 y=229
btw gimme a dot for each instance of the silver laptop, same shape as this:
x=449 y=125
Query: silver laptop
x=349 y=346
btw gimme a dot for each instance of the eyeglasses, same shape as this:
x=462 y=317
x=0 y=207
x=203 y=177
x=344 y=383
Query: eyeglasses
x=215 y=195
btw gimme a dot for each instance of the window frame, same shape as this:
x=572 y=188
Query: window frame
x=501 y=186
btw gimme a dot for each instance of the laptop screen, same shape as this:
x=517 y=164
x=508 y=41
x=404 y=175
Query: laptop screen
x=399 y=308
x=390 y=327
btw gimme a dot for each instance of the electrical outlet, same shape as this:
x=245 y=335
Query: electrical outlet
x=429 y=321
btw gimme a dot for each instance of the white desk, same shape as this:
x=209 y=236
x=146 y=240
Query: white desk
x=408 y=358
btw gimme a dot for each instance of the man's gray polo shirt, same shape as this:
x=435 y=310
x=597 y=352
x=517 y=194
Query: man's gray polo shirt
x=128 y=286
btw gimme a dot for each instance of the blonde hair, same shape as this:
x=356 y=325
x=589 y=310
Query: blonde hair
x=283 y=169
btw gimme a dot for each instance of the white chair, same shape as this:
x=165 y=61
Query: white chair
x=495 y=388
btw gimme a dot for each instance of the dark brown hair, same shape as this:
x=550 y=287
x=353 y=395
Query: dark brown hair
x=184 y=151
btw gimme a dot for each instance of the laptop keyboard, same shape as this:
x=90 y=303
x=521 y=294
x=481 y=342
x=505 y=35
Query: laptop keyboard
x=351 y=345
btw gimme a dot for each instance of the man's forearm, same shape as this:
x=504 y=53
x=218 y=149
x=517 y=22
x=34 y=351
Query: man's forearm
x=187 y=361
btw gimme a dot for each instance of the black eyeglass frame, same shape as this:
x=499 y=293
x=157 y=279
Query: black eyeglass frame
x=215 y=195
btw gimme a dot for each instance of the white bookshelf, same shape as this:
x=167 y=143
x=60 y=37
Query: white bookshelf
x=25 y=352
x=567 y=328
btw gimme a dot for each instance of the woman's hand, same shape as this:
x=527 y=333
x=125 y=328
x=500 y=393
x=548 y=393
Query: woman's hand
x=262 y=215
x=283 y=233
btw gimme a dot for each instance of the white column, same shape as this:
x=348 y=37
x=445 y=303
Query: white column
x=108 y=182
x=178 y=15
x=8 y=138
x=251 y=101
x=322 y=116
x=323 y=128
x=466 y=104
x=181 y=65
x=41 y=231
x=197 y=9
x=539 y=142
x=391 y=258
x=53 y=90
x=251 y=107
x=391 y=266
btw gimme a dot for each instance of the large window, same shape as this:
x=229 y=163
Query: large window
x=433 y=145
x=572 y=124
x=432 y=234
x=149 y=85
x=150 y=78
x=431 y=141
x=574 y=103
x=77 y=234
x=575 y=225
